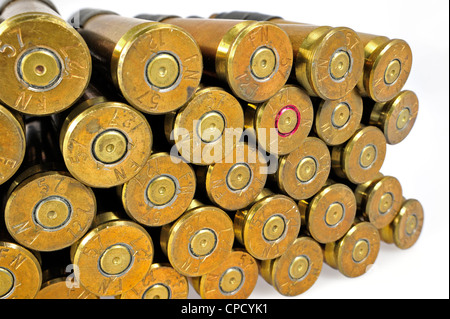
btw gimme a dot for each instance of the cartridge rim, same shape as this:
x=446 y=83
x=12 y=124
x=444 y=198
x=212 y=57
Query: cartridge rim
x=92 y=246
x=278 y=273
x=178 y=246
x=370 y=141
x=254 y=228
x=49 y=211
x=245 y=161
x=24 y=268
x=405 y=235
x=240 y=54
x=12 y=144
x=328 y=123
x=361 y=241
x=377 y=65
x=289 y=98
x=329 y=76
x=33 y=89
x=185 y=127
x=331 y=213
x=386 y=189
x=58 y=289
x=235 y=278
x=79 y=136
x=311 y=149
x=161 y=46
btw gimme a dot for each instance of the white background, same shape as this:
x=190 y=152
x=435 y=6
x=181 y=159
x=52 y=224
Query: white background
x=420 y=162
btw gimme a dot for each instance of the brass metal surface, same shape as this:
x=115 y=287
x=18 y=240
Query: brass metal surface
x=113 y=257
x=46 y=64
x=20 y=272
x=361 y=157
x=330 y=213
x=269 y=226
x=104 y=143
x=160 y=192
x=12 y=143
x=198 y=241
x=387 y=67
x=57 y=288
x=379 y=200
x=235 y=182
x=397 y=117
x=235 y=278
x=337 y=120
x=281 y=122
x=49 y=210
x=405 y=229
x=304 y=171
x=207 y=127
x=355 y=252
x=156 y=66
x=297 y=269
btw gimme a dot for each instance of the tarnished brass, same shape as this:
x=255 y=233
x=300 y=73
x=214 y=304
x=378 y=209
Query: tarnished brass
x=396 y=117
x=161 y=282
x=235 y=182
x=105 y=143
x=12 y=143
x=356 y=252
x=360 y=159
x=297 y=269
x=379 y=200
x=405 y=229
x=269 y=226
x=20 y=272
x=303 y=172
x=160 y=192
x=113 y=256
x=328 y=62
x=207 y=127
x=156 y=66
x=198 y=241
x=282 y=122
x=253 y=58
x=330 y=213
x=235 y=278
x=337 y=120
x=387 y=67
x=46 y=64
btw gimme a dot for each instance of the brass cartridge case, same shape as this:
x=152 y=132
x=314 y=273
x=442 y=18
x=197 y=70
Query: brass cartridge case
x=304 y=171
x=46 y=208
x=356 y=252
x=328 y=62
x=235 y=182
x=395 y=118
x=297 y=270
x=198 y=241
x=253 y=58
x=45 y=64
x=235 y=278
x=156 y=66
x=330 y=213
x=269 y=226
x=113 y=256
x=161 y=282
x=104 y=143
x=160 y=192
x=282 y=122
x=206 y=128
x=12 y=143
x=360 y=159
x=405 y=229
x=379 y=200
x=337 y=120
